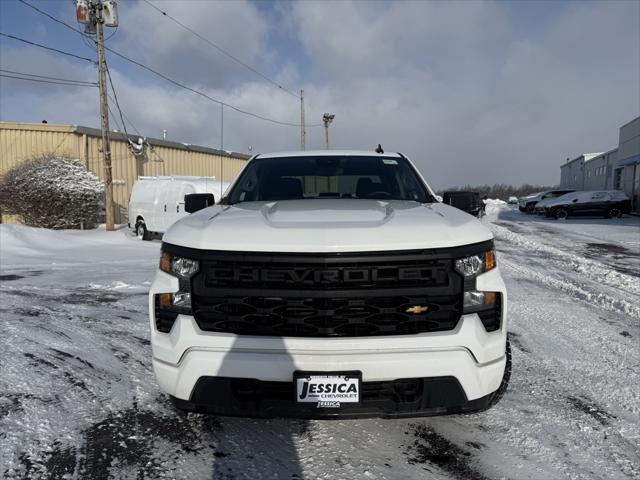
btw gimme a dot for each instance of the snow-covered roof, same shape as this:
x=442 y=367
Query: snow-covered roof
x=116 y=135
x=591 y=156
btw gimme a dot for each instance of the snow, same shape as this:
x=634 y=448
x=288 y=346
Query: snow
x=78 y=398
x=591 y=156
x=52 y=192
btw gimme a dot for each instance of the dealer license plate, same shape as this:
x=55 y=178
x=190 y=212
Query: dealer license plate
x=327 y=390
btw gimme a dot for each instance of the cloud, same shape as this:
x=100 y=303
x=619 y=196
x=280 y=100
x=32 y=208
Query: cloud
x=236 y=27
x=454 y=85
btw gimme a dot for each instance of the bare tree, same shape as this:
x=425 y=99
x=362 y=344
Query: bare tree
x=501 y=190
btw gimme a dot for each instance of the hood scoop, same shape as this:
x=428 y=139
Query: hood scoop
x=321 y=212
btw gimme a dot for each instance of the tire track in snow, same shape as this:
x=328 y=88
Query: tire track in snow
x=579 y=291
x=589 y=270
x=588 y=267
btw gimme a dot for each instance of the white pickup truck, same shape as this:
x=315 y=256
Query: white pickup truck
x=329 y=284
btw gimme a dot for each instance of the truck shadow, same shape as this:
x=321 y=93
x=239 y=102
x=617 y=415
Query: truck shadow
x=254 y=448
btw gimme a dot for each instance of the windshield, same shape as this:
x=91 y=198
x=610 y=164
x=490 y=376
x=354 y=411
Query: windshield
x=295 y=178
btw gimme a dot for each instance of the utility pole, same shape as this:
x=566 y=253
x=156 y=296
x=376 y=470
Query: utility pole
x=327 y=118
x=104 y=115
x=303 y=131
x=221 y=145
x=95 y=15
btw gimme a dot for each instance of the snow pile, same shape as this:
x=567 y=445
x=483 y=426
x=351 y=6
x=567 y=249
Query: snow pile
x=493 y=205
x=52 y=192
x=29 y=247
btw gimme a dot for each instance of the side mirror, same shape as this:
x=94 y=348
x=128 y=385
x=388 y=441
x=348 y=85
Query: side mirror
x=197 y=201
x=575 y=200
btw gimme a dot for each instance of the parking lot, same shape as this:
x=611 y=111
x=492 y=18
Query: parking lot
x=78 y=397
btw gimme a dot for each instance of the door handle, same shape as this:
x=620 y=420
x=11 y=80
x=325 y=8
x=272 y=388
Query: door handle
x=178 y=208
x=165 y=207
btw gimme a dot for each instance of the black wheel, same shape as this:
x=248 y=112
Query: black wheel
x=530 y=208
x=614 y=212
x=504 y=384
x=141 y=231
x=561 y=213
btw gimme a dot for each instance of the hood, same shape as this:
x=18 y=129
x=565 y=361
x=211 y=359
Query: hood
x=327 y=225
x=546 y=202
x=531 y=196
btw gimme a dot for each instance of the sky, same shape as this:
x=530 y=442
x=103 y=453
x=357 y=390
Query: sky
x=473 y=92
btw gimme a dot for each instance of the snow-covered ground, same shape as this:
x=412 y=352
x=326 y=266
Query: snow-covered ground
x=78 y=398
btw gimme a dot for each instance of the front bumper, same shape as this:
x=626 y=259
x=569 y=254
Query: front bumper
x=393 y=399
x=200 y=369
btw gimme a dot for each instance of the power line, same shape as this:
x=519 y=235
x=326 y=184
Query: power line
x=47 y=48
x=47 y=81
x=46 y=77
x=166 y=78
x=125 y=116
x=202 y=94
x=115 y=95
x=222 y=50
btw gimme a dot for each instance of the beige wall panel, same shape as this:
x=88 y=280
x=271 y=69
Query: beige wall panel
x=16 y=146
x=20 y=141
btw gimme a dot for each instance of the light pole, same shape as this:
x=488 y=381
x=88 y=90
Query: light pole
x=327 y=118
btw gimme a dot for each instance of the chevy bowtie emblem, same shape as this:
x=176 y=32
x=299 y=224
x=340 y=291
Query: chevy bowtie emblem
x=417 y=309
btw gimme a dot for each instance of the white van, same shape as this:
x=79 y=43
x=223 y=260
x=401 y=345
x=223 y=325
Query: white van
x=157 y=202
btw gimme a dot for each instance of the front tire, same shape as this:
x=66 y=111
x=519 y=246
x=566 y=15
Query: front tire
x=141 y=231
x=530 y=208
x=561 y=214
x=614 y=212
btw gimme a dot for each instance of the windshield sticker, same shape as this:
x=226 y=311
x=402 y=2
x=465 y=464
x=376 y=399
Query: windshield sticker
x=388 y=161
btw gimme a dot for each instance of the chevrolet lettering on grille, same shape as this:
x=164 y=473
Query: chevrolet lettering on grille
x=319 y=276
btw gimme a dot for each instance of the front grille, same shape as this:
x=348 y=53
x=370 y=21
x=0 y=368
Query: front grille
x=326 y=295
x=326 y=317
x=328 y=273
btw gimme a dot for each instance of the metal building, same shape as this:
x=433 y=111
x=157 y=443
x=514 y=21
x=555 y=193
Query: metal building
x=626 y=174
x=617 y=169
x=22 y=141
x=572 y=173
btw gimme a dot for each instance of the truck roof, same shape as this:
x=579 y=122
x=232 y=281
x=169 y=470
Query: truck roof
x=325 y=153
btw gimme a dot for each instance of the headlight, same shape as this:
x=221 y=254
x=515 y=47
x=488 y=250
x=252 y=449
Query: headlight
x=475 y=264
x=178 y=266
x=169 y=305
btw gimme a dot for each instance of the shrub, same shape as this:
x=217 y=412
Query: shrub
x=52 y=191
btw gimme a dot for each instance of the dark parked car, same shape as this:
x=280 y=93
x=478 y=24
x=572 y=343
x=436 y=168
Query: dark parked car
x=528 y=203
x=467 y=201
x=607 y=203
